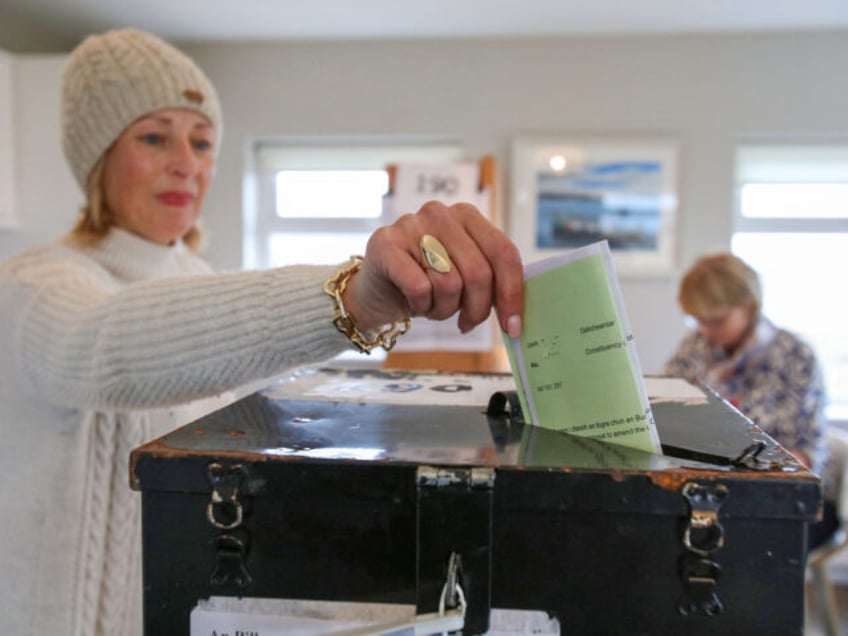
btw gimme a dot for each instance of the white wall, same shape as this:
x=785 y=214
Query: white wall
x=8 y=185
x=707 y=91
x=46 y=196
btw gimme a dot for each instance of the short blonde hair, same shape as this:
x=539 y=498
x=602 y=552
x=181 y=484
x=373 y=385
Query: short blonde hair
x=717 y=283
x=96 y=219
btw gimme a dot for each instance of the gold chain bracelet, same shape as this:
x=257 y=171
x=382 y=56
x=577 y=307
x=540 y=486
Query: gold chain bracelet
x=386 y=337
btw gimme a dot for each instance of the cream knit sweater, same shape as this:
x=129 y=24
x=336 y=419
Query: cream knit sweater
x=102 y=349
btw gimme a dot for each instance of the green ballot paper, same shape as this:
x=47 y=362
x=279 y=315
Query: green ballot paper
x=575 y=364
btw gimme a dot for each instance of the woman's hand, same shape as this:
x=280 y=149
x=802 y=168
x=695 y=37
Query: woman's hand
x=486 y=272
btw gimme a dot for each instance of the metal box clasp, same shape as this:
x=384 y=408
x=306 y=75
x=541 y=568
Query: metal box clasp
x=703 y=535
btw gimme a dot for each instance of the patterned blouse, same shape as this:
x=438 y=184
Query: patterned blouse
x=773 y=378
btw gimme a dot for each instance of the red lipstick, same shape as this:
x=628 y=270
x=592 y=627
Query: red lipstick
x=176 y=198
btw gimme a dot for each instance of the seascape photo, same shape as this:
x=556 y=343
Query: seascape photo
x=620 y=201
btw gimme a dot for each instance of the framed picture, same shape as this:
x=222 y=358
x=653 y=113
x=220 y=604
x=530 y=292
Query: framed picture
x=570 y=191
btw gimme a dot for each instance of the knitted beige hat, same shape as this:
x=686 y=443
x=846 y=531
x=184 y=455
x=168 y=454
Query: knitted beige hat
x=114 y=78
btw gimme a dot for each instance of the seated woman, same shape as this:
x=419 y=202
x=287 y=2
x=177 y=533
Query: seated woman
x=766 y=372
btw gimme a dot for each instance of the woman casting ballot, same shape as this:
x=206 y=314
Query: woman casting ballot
x=118 y=332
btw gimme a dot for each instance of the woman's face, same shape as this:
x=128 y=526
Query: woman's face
x=157 y=172
x=729 y=329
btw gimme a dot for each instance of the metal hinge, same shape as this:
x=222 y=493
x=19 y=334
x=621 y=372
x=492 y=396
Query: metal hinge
x=231 y=562
x=454 y=510
x=702 y=536
x=704 y=533
x=225 y=512
x=471 y=478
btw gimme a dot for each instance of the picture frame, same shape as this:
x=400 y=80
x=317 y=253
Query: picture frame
x=572 y=190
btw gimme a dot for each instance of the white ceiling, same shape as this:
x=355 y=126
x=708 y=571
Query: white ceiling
x=188 y=20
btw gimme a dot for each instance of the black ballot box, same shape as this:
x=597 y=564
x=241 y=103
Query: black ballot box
x=318 y=488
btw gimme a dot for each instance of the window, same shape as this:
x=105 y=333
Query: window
x=318 y=201
x=792 y=227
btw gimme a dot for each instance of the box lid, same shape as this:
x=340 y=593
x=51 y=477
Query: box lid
x=703 y=438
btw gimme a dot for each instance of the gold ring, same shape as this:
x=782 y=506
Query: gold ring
x=435 y=255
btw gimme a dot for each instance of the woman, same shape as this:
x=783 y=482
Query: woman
x=768 y=373
x=118 y=332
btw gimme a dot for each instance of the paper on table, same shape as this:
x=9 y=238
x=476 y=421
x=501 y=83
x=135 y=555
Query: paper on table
x=291 y=617
x=575 y=364
x=391 y=386
x=665 y=389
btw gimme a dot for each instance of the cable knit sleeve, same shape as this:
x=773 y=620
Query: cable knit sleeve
x=80 y=340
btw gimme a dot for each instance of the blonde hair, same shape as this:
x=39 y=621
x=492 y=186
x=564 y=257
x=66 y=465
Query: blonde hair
x=717 y=283
x=96 y=219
